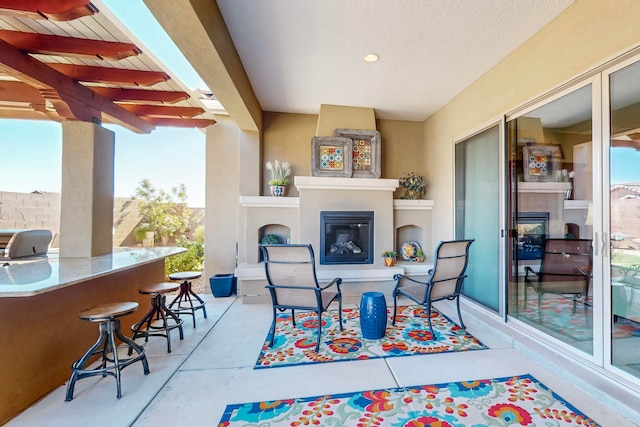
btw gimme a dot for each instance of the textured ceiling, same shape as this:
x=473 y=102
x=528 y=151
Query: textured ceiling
x=301 y=54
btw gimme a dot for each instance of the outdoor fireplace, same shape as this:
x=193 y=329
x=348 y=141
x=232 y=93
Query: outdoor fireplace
x=346 y=237
x=532 y=233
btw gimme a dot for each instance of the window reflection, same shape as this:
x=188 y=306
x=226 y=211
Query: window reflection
x=624 y=194
x=550 y=286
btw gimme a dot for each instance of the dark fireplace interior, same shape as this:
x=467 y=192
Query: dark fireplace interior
x=532 y=232
x=346 y=237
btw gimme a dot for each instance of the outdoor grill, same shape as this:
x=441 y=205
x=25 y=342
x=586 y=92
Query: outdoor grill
x=24 y=243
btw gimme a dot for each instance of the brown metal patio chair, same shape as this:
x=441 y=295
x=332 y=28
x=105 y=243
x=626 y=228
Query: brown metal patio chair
x=291 y=274
x=445 y=281
x=565 y=269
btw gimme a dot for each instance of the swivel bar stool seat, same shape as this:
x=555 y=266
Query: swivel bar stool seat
x=160 y=320
x=188 y=302
x=108 y=316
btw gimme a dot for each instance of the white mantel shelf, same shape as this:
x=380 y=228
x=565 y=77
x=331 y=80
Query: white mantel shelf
x=543 y=187
x=269 y=202
x=331 y=183
x=412 y=205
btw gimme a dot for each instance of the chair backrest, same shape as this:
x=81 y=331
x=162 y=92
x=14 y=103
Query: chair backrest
x=565 y=261
x=291 y=265
x=449 y=268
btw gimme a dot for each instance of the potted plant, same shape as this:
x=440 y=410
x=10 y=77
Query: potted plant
x=414 y=185
x=389 y=258
x=419 y=256
x=617 y=238
x=278 y=173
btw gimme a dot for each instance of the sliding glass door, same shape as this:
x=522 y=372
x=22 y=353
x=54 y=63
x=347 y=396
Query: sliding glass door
x=479 y=212
x=550 y=247
x=623 y=195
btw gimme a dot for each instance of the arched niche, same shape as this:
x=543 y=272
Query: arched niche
x=280 y=230
x=411 y=233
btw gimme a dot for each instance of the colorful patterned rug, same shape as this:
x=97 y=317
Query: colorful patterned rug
x=410 y=336
x=557 y=316
x=512 y=401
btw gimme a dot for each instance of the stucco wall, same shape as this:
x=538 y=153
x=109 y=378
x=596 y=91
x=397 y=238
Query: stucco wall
x=287 y=137
x=586 y=35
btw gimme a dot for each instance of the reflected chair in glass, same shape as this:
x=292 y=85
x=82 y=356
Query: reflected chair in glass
x=565 y=269
x=445 y=279
x=293 y=285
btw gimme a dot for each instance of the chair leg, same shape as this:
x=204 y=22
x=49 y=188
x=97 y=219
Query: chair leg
x=293 y=317
x=459 y=314
x=340 y=312
x=395 y=308
x=273 y=327
x=319 y=330
x=433 y=335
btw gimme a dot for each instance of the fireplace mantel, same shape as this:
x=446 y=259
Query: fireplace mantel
x=330 y=183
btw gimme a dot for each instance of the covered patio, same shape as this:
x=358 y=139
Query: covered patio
x=214 y=367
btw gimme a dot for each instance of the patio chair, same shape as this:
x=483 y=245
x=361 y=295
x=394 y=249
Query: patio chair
x=292 y=282
x=445 y=279
x=565 y=269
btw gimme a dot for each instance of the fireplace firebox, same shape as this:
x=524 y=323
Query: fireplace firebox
x=346 y=237
x=532 y=233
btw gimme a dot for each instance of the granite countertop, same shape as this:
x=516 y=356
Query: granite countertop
x=37 y=275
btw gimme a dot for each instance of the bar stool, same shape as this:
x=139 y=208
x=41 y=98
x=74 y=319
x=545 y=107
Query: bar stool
x=186 y=304
x=159 y=312
x=108 y=316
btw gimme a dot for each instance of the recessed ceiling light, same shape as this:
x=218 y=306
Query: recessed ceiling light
x=371 y=57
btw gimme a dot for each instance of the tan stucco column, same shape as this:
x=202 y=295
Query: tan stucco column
x=86 y=213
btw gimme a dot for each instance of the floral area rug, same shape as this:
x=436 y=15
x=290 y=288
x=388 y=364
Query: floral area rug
x=512 y=401
x=557 y=315
x=410 y=336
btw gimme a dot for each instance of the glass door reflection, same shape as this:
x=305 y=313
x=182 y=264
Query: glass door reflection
x=551 y=192
x=624 y=217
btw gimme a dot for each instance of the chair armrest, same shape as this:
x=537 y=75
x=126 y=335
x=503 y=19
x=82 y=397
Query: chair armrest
x=337 y=281
x=528 y=270
x=398 y=277
x=306 y=288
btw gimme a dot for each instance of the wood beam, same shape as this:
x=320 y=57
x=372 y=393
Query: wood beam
x=19 y=92
x=87 y=73
x=69 y=46
x=58 y=10
x=83 y=102
x=145 y=95
x=184 y=123
x=162 y=110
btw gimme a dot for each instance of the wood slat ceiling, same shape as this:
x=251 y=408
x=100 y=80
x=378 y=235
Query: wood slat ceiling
x=67 y=60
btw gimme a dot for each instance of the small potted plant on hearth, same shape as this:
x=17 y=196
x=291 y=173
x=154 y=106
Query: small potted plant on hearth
x=278 y=173
x=389 y=258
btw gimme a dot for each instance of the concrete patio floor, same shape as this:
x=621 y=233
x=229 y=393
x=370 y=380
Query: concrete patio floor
x=213 y=367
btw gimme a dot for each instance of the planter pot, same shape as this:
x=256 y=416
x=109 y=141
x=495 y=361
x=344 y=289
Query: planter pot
x=223 y=285
x=389 y=261
x=277 y=190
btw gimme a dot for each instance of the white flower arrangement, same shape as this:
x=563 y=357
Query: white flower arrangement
x=279 y=172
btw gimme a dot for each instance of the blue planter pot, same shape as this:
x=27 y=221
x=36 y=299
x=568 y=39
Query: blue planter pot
x=223 y=285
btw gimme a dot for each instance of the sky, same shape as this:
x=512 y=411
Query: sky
x=32 y=150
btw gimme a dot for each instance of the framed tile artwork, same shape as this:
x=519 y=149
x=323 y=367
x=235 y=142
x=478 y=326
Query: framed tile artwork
x=540 y=162
x=331 y=156
x=365 y=151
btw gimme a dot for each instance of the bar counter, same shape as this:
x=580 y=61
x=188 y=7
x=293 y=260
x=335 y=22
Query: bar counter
x=41 y=333
x=37 y=275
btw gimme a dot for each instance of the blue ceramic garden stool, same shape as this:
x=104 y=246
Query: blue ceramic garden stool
x=373 y=315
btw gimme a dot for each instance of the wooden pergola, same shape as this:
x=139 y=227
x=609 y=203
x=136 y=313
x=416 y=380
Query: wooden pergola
x=66 y=60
